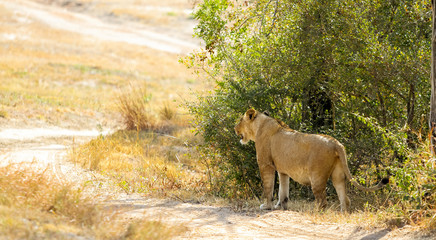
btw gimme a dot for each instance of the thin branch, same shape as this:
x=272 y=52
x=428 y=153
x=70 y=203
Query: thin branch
x=274 y=18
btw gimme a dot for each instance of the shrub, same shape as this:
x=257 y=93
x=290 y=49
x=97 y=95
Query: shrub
x=231 y=166
x=320 y=70
x=414 y=188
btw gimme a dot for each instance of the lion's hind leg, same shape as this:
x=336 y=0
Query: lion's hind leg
x=283 y=192
x=339 y=182
x=318 y=183
x=319 y=190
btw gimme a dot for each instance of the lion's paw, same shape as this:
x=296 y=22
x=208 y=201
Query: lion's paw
x=278 y=206
x=265 y=207
x=281 y=206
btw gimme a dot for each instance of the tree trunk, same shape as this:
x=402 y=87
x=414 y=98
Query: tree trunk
x=432 y=120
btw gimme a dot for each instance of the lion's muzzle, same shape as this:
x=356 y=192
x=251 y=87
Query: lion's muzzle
x=243 y=141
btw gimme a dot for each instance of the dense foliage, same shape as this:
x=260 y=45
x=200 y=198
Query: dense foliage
x=356 y=70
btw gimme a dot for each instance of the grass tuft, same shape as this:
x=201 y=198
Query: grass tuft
x=133 y=106
x=167 y=112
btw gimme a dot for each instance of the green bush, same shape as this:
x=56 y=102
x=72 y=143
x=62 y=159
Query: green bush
x=232 y=167
x=355 y=70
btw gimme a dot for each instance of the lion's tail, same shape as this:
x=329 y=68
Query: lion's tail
x=343 y=157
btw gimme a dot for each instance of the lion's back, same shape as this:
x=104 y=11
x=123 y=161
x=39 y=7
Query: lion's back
x=292 y=150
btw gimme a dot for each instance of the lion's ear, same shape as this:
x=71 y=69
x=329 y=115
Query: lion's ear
x=251 y=113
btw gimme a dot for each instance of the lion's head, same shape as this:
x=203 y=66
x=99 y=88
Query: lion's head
x=244 y=129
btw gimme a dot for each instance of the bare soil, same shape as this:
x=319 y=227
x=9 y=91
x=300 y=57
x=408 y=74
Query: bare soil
x=45 y=147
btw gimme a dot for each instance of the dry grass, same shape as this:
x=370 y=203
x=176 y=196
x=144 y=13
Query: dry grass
x=167 y=112
x=366 y=218
x=145 y=162
x=36 y=206
x=133 y=106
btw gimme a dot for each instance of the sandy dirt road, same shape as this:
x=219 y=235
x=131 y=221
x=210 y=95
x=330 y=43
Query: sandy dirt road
x=209 y=222
x=47 y=147
x=59 y=18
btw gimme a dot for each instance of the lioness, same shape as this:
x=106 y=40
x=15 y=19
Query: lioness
x=309 y=159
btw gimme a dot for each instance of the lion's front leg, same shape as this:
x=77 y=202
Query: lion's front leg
x=267 y=173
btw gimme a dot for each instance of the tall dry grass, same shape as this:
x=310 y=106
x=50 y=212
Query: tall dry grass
x=35 y=205
x=167 y=112
x=132 y=104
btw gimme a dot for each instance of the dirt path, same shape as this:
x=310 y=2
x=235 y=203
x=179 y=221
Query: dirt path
x=46 y=147
x=210 y=222
x=93 y=27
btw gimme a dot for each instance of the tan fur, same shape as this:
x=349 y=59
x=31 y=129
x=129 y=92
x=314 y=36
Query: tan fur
x=309 y=159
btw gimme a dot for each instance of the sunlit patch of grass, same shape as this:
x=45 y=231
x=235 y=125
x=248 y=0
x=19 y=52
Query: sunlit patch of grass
x=144 y=162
